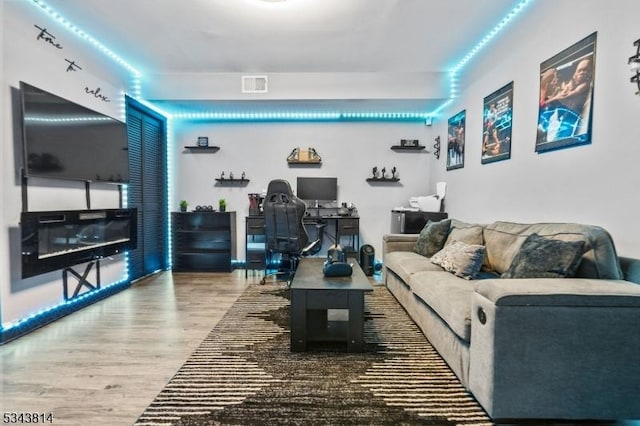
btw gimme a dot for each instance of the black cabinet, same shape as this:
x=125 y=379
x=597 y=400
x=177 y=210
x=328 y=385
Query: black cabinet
x=203 y=241
x=411 y=222
x=255 y=243
x=349 y=227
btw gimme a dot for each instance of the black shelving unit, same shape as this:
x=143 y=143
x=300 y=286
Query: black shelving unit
x=196 y=148
x=203 y=241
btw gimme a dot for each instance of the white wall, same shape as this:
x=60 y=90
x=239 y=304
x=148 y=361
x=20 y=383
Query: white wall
x=594 y=184
x=287 y=86
x=349 y=151
x=24 y=58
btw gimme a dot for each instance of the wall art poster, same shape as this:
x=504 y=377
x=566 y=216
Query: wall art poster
x=455 y=140
x=566 y=97
x=496 y=126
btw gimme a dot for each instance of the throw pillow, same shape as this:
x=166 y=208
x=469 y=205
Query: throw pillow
x=432 y=237
x=470 y=234
x=541 y=257
x=463 y=260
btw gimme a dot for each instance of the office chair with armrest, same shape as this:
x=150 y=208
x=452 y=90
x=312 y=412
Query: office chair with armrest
x=284 y=232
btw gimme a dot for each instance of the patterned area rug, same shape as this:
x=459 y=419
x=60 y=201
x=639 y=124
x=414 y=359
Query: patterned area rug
x=243 y=373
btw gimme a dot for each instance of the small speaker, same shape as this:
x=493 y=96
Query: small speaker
x=367 y=259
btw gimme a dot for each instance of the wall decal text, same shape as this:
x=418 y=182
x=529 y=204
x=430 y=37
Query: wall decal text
x=97 y=94
x=72 y=65
x=47 y=37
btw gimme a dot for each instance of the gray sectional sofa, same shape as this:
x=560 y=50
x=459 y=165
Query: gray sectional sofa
x=532 y=348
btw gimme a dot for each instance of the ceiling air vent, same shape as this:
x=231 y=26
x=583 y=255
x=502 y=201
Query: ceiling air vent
x=254 y=84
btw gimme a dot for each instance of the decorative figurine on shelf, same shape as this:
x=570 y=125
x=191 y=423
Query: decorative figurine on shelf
x=222 y=176
x=294 y=155
x=375 y=172
x=183 y=205
x=222 y=205
x=243 y=176
x=384 y=171
x=313 y=155
x=393 y=172
x=231 y=175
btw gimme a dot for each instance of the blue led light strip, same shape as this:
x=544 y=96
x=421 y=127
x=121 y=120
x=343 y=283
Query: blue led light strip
x=364 y=116
x=453 y=73
x=490 y=36
x=301 y=116
x=46 y=315
x=67 y=120
x=169 y=186
x=136 y=75
x=287 y=116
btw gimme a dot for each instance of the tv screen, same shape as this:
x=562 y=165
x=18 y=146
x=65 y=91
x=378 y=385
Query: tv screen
x=317 y=188
x=64 y=140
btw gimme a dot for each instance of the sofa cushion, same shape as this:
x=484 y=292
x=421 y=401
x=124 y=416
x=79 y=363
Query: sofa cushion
x=432 y=237
x=447 y=295
x=571 y=292
x=463 y=260
x=600 y=260
x=470 y=233
x=541 y=257
x=407 y=263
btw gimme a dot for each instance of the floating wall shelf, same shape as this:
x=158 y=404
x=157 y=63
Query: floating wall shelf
x=233 y=181
x=203 y=148
x=408 y=148
x=299 y=156
x=304 y=162
x=383 y=180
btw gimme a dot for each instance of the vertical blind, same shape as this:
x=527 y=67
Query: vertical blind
x=147 y=189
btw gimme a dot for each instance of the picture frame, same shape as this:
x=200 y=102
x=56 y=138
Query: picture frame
x=566 y=97
x=497 y=118
x=203 y=141
x=456 y=128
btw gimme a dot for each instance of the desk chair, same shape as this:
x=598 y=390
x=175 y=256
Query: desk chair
x=284 y=232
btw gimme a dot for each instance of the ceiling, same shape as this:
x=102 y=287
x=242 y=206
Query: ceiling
x=169 y=39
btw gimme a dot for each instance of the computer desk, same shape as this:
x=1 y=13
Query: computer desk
x=342 y=226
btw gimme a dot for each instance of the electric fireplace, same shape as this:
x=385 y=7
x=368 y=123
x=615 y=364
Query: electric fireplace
x=54 y=240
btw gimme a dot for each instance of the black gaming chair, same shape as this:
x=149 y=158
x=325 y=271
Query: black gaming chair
x=284 y=232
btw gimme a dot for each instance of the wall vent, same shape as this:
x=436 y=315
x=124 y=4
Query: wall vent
x=254 y=84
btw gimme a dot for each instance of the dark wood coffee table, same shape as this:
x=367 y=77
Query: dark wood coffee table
x=312 y=294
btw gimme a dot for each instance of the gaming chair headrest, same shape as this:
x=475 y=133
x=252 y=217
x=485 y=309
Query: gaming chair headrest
x=279 y=186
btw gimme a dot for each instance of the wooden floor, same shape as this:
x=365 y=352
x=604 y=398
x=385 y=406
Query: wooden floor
x=104 y=364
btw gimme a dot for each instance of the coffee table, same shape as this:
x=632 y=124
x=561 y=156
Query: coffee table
x=313 y=294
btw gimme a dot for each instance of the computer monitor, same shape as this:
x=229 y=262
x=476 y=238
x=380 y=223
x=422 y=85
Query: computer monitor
x=317 y=188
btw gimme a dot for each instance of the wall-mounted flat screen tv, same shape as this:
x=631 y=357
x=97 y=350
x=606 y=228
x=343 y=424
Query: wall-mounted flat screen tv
x=64 y=140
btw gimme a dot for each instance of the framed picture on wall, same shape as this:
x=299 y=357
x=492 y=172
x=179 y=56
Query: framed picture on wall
x=566 y=97
x=496 y=125
x=455 y=140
